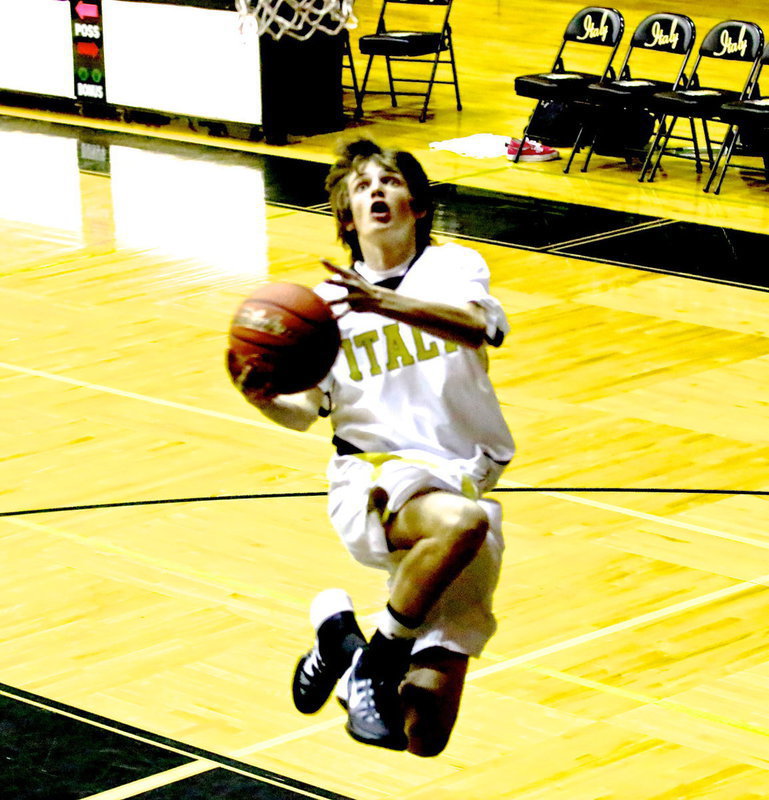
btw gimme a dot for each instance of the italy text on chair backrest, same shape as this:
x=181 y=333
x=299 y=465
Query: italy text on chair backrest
x=733 y=43
x=590 y=28
x=654 y=61
x=748 y=121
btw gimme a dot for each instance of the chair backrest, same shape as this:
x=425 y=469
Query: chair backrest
x=665 y=33
x=755 y=89
x=596 y=25
x=432 y=22
x=671 y=33
x=593 y=25
x=732 y=40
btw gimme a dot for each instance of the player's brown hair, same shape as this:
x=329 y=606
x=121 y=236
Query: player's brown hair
x=352 y=157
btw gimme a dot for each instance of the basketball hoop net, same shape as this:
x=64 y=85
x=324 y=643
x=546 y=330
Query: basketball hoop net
x=299 y=19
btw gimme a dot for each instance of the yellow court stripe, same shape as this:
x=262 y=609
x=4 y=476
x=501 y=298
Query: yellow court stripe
x=258 y=423
x=255 y=422
x=155 y=781
x=140 y=131
x=651 y=617
x=672 y=705
x=226 y=583
x=180 y=773
x=185 y=771
x=523 y=661
x=629 y=512
x=219 y=581
x=62 y=713
x=276 y=741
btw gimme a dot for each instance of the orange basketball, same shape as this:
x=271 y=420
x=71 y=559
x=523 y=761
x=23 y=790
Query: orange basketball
x=287 y=334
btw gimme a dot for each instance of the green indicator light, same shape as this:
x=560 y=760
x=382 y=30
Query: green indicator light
x=96 y=75
x=82 y=73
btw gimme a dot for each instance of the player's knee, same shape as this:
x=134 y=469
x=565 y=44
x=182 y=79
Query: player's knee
x=428 y=746
x=466 y=529
x=427 y=726
x=428 y=735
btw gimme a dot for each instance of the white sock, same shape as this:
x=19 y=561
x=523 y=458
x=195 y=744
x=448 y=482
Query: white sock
x=328 y=603
x=393 y=629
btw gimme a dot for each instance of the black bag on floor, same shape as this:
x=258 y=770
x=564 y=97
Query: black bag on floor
x=554 y=123
x=624 y=131
x=754 y=140
x=557 y=124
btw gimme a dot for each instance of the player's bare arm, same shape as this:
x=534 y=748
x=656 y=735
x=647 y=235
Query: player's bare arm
x=465 y=325
x=296 y=411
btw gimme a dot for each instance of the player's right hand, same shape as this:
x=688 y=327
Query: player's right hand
x=251 y=379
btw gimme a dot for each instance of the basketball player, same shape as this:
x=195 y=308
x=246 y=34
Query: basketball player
x=419 y=439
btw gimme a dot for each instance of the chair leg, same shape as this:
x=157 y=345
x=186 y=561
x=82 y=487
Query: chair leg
x=719 y=154
x=650 y=152
x=574 y=149
x=454 y=73
x=517 y=157
x=393 y=98
x=423 y=115
x=727 y=156
x=590 y=152
x=662 y=149
x=708 y=142
x=697 y=159
x=359 y=112
x=353 y=75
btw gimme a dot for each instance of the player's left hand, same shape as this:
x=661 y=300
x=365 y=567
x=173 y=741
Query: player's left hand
x=361 y=295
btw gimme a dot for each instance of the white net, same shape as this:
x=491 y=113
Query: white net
x=299 y=19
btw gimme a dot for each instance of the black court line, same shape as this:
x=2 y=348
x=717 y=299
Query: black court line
x=752 y=285
x=49 y=751
x=721 y=254
x=599 y=237
x=53 y=751
x=288 y=495
x=525 y=221
x=638 y=241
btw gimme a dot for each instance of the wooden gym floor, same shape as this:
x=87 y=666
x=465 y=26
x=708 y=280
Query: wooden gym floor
x=162 y=543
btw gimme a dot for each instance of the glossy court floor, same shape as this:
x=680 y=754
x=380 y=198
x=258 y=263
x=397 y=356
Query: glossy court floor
x=162 y=543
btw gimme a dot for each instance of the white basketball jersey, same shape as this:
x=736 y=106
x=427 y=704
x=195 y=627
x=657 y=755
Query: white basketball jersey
x=395 y=387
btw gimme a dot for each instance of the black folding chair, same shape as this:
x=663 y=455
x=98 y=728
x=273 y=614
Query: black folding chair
x=748 y=122
x=609 y=107
x=732 y=40
x=433 y=47
x=592 y=26
x=349 y=65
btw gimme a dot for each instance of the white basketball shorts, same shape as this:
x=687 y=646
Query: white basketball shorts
x=462 y=620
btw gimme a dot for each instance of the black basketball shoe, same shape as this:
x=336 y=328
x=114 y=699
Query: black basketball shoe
x=337 y=638
x=314 y=680
x=374 y=711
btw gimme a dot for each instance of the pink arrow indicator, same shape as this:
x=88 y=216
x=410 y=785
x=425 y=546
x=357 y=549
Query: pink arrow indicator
x=87 y=10
x=88 y=49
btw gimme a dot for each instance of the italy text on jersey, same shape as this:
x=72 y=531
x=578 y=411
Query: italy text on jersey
x=403 y=347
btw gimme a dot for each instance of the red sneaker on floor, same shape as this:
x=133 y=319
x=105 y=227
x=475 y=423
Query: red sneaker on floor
x=532 y=151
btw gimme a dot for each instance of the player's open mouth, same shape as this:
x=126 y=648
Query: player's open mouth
x=380 y=211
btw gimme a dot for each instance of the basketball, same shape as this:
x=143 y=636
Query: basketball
x=287 y=334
